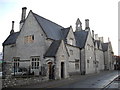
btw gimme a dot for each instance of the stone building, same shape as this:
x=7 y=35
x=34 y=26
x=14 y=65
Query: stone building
x=108 y=55
x=42 y=47
x=45 y=48
x=86 y=45
x=99 y=52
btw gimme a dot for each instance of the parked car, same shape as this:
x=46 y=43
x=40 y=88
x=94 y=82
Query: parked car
x=21 y=71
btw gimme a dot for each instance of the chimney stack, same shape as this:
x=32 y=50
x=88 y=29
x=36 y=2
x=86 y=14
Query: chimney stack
x=108 y=39
x=12 y=30
x=101 y=39
x=87 y=24
x=23 y=16
x=96 y=37
x=93 y=34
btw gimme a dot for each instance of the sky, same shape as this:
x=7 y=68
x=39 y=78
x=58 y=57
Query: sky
x=102 y=15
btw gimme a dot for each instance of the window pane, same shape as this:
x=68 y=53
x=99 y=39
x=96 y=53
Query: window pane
x=32 y=59
x=37 y=63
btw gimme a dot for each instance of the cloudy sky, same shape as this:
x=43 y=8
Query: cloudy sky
x=102 y=15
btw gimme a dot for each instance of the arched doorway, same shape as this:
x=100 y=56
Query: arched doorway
x=51 y=70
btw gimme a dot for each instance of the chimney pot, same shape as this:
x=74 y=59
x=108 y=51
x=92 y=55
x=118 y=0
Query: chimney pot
x=108 y=39
x=96 y=37
x=101 y=39
x=23 y=14
x=12 y=30
x=24 y=8
x=12 y=25
x=93 y=34
x=87 y=24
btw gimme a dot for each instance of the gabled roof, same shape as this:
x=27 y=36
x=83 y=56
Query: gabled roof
x=104 y=46
x=11 y=39
x=51 y=29
x=65 y=31
x=52 y=50
x=81 y=37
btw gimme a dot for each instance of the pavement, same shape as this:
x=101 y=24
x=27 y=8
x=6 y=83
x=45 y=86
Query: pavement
x=0 y=83
x=95 y=80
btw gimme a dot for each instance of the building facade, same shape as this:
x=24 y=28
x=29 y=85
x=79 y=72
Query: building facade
x=45 y=48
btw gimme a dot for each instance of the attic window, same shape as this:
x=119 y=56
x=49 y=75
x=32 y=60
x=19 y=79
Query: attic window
x=29 y=39
x=71 y=52
x=71 y=41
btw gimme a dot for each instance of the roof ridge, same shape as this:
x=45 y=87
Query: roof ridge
x=48 y=20
x=65 y=28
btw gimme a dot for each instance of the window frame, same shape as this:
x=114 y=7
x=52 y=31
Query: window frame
x=77 y=65
x=71 y=41
x=16 y=64
x=29 y=39
x=35 y=62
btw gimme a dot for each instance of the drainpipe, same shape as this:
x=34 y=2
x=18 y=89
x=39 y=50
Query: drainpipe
x=104 y=61
x=80 y=63
x=95 y=61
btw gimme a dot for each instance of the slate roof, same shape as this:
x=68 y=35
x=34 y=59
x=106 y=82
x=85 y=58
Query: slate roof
x=81 y=37
x=104 y=46
x=51 y=29
x=11 y=39
x=65 y=32
x=52 y=50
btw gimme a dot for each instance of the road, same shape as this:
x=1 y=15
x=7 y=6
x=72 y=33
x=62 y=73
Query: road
x=97 y=81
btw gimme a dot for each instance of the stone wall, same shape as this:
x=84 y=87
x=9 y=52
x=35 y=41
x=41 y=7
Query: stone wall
x=18 y=81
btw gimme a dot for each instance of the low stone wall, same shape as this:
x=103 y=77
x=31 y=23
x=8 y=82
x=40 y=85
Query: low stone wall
x=17 y=81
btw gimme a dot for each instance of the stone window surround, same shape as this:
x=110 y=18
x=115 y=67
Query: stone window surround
x=29 y=39
x=76 y=64
x=35 y=62
x=16 y=61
